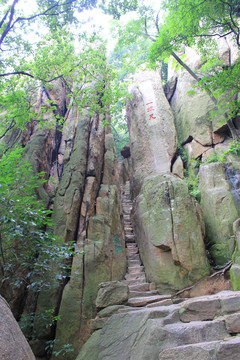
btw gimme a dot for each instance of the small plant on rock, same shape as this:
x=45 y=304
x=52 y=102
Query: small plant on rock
x=234 y=148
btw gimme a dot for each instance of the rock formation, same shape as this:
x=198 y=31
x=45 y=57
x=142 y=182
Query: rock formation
x=136 y=257
x=169 y=228
x=83 y=190
x=216 y=195
x=170 y=232
x=204 y=328
x=152 y=132
x=167 y=219
x=13 y=345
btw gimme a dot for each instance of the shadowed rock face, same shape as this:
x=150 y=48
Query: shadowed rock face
x=13 y=345
x=219 y=211
x=153 y=138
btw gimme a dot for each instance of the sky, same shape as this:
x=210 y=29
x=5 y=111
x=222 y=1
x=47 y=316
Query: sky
x=98 y=19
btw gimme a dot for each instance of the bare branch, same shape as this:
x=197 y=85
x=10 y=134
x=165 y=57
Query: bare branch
x=185 y=66
x=223 y=269
x=156 y=22
x=146 y=32
x=212 y=35
x=230 y=13
x=13 y=123
x=47 y=12
x=17 y=73
x=4 y=18
x=8 y=27
x=30 y=75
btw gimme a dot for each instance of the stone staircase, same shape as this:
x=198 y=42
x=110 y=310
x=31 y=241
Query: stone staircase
x=202 y=328
x=141 y=293
x=146 y=325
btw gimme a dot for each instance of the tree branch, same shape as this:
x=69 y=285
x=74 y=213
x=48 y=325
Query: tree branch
x=30 y=75
x=212 y=35
x=156 y=22
x=185 y=66
x=8 y=27
x=13 y=123
x=17 y=73
x=230 y=13
x=4 y=18
x=146 y=32
x=11 y=24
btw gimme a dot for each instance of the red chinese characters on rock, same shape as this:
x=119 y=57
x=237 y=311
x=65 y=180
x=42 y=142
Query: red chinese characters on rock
x=150 y=109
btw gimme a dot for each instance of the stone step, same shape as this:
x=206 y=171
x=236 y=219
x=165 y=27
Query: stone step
x=127 y=210
x=229 y=349
x=193 y=333
x=128 y=227
x=137 y=294
x=133 y=257
x=165 y=302
x=128 y=230
x=130 y=238
x=141 y=276
x=132 y=251
x=136 y=269
x=139 y=287
x=131 y=245
x=136 y=282
x=145 y=300
x=133 y=263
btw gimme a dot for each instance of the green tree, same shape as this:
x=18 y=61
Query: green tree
x=26 y=244
x=39 y=46
x=198 y=24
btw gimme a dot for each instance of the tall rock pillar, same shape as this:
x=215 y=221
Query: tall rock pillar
x=168 y=221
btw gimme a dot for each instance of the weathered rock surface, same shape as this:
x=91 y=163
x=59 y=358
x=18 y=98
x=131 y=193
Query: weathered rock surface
x=84 y=197
x=219 y=211
x=100 y=251
x=13 y=345
x=153 y=138
x=123 y=168
x=178 y=167
x=220 y=350
x=112 y=293
x=159 y=334
x=169 y=233
x=192 y=112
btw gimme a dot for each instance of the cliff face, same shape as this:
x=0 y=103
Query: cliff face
x=167 y=219
x=83 y=191
x=172 y=230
